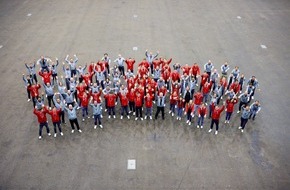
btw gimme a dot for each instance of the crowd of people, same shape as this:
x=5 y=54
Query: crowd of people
x=190 y=90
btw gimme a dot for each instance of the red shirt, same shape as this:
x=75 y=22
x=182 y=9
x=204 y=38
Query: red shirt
x=189 y=108
x=174 y=99
x=45 y=76
x=202 y=110
x=195 y=70
x=124 y=99
x=166 y=75
x=84 y=100
x=204 y=78
x=175 y=76
x=55 y=114
x=138 y=101
x=236 y=87
x=87 y=78
x=145 y=64
x=81 y=88
x=33 y=89
x=156 y=62
x=180 y=103
x=111 y=98
x=230 y=105
x=198 y=98
x=131 y=95
x=130 y=64
x=186 y=69
x=41 y=115
x=96 y=96
x=148 y=101
x=91 y=68
x=102 y=65
x=206 y=87
x=216 y=113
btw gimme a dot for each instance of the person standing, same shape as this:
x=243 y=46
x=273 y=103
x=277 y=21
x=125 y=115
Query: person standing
x=27 y=82
x=198 y=97
x=84 y=99
x=230 y=103
x=59 y=104
x=72 y=64
x=107 y=61
x=123 y=95
x=180 y=107
x=255 y=84
x=224 y=69
x=43 y=62
x=189 y=108
x=202 y=111
x=255 y=109
x=31 y=71
x=49 y=93
x=216 y=114
x=148 y=105
x=42 y=120
x=173 y=101
x=72 y=116
x=97 y=113
x=111 y=102
x=245 y=117
x=54 y=70
x=208 y=67
x=138 y=105
x=244 y=99
x=33 y=89
x=120 y=62
x=160 y=105
x=150 y=58
x=55 y=118
x=130 y=64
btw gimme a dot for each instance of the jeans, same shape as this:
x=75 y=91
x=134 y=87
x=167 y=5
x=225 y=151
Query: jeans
x=179 y=112
x=98 y=118
x=189 y=116
x=111 y=110
x=58 y=126
x=41 y=126
x=195 y=108
x=49 y=99
x=205 y=96
x=62 y=116
x=132 y=106
x=124 y=109
x=172 y=108
x=228 y=115
x=85 y=111
x=216 y=122
x=138 y=111
x=243 y=122
x=241 y=104
x=200 y=120
x=122 y=70
x=159 y=108
x=148 y=111
x=253 y=113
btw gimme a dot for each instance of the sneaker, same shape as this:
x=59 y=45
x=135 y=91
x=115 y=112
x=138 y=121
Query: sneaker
x=196 y=85
x=153 y=102
x=238 y=111
x=39 y=137
x=169 y=112
x=201 y=127
x=209 y=130
x=88 y=117
x=141 y=118
x=128 y=116
x=187 y=121
x=216 y=132
x=136 y=118
x=80 y=130
x=72 y=131
x=252 y=97
x=172 y=114
x=197 y=126
x=93 y=117
x=206 y=104
x=121 y=117
x=28 y=100
x=78 y=107
x=54 y=135
x=101 y=126
x=242 y=130
x=109 y=117
x=239 y=127
x=95 y=127
x=177 y=118
x=221 y=98
x=116 y=103
x=48 y=134
x=105 y=110
x=83 y=119
x=226 y=121
x=150 y=117
x=129 y=112
x=114 y=116
x=134 y=113
x=145 y=117
x=101 y=116
x=61 y=133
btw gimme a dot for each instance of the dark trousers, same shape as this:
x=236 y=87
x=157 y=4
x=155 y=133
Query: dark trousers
x=159 y=108
x=33 y=77
x=241 y=104
x=124 y=109
x=122 y=70
x=28 y=94
x=85 y=111
x=216 y=122
x=74 y=122
x=228 y=115
x=98 y=119
x=188 y=116
x=73 y=72
x=62 y=116
x=58 y=126
x=138 y=111
x=67 y=83
x=54 y=78
x=111 y=110
x=243 y=122
x=41 y=126
x=209 y=74
x=132 y=106
x=49 y=99
x=151 y=68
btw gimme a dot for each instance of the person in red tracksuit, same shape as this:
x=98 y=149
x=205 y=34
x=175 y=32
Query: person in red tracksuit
x=149 y=105
x=230 y=108
x=197 y=100
x=186 y=69
x=138 y=105
x=175 y=76
x=111 y=100
x=55 y=117
x=33 y=89
x=206 y=90
x=166 y=76
x=216 y=114
x=91 y=71
x=46 y=76
x=84 y=99
x=124 y=103
x=87 y=78
x=144 y=63
x=131 y=97
x=195 y=71
x=235 y=86
x=130 y=64
x=173 y=102
x=203 y=79
x=42 y=120
x=189 y=108
x=202 y=110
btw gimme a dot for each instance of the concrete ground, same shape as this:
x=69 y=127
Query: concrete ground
x=169 y=154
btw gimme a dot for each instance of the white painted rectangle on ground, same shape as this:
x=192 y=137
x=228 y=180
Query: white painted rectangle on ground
x=239 y=17
x=135 y=48
x=263 y=46
x=135 y=16
x=29 y=14
x=131 y=165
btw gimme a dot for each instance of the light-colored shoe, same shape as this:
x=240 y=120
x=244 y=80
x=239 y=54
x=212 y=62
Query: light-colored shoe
x=83 y=119
x=109 y=117
x=145 y=117
x=61 y=133
x=172 y=114
x=187 y=121
x=239 y=127
x=101 y=126
x=28 y=100
x=136 y=118
x=95 y=126
x=201 y=127
x=54 y=135
x=88 y=117
x=197 y=126
x=48 y=134
x=151 y=117
x=106 y=110
x=238 y=111
x=209 y=130
x=128 y=116
x=169 y=112
x=134 y=113
x=72 y=131
x=242 y=130
x=216 y=132
x=121 y=117
x=141 y=118
x=114 y=116
x=101 y=116
x=39 y=137
x=93 y=117
x=80 y=130
x=226 y=121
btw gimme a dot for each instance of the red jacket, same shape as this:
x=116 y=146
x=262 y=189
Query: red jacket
x=124 y=99
x=41 y=115
x=96 y=96
x=91 y=68
x=130 y=64
x=236 y=87
x=45 y=76
x=142 y=71
x=189 y=108
x=163 y=62
x=131 y=95
x=55 y=114
x=186 y=69
x=111 y=98
x=206 y=87
x=176 y=89
x=145 y=64
x=84 y=100
x=198 y=98
x=175 y=76
x=102 y=65
x=230 y=105
x=216 y=113
x=156 y=62
x=195 y=70
x=149 y=101
x=174 y=99
x=166 y=75
x=202 y=111
x=33 y=89
x=180 y=103
x=81 y=88
x=204 y=78
x=138 y=101
x=87 y=78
